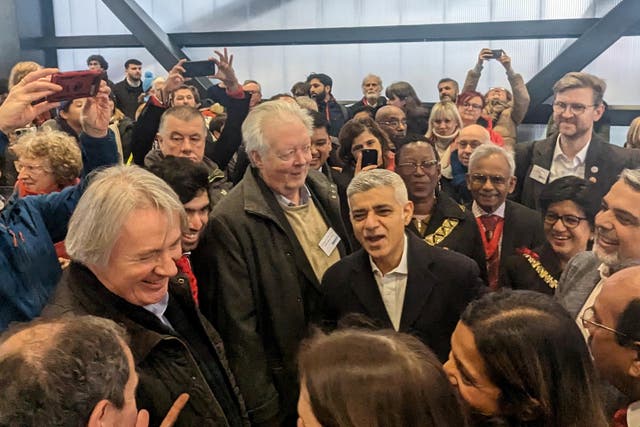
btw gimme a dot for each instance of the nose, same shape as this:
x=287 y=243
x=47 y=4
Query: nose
x=402 y=125
x=23 y=173
x=302 y=157
x=371 y=222
x=166 y=264
x=559 y=225
x=603 y=220
x=195 y=221
x=450 y=371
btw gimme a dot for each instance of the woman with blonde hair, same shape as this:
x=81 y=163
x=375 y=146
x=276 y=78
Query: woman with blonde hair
x=444 y=125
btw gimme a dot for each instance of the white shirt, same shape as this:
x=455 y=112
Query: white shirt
x=561 y=165
x=633 y=414
x=392 y=286
x=604 y=273
x=159 y=308
x=478 y=211
x=305 y=194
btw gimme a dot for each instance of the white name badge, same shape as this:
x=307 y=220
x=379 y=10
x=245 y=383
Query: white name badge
x=329 y=242
x=539 y=173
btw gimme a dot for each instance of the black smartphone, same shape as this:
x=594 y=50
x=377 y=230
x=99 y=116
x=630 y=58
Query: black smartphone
x=199 y=68
x=369 y=157
x=76 y=84
x=496 y=53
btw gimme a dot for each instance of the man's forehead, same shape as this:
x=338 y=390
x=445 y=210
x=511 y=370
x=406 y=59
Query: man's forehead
x=390 y=113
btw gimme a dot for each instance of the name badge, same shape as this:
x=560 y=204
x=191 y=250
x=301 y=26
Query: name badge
x=539 y=173
x=329 y=242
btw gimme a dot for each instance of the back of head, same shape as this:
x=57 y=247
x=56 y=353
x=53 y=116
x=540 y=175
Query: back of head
x=376 y=378
x=55 y=372
x=535 y=354
x=404 y=91
x=20 y=70
x=579 y=80
x=184 y=176
x=633 y=134
x=113 y=194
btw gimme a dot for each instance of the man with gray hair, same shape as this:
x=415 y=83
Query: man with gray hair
x=124 y=240
x=371 y=89
x=268 y=244
x=504 y=225
x=575 y=149
x=71 y=371
x=395 y=279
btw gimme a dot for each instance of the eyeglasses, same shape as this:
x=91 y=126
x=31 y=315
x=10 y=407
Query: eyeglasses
x=289 y=154
x=31 y=169
x=393 y=123
x=480 y=179
x=577 y=109
x=569 y=221
x=587 y=320
x=412 y=167
x=466 y=105
x=465 y=144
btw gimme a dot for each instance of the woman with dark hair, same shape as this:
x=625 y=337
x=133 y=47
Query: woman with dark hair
x=518 y=359
x=437 y=218
x=569 y=210
x=354 y=378
x=470 y=106
x=403 y=96
x=355 y=136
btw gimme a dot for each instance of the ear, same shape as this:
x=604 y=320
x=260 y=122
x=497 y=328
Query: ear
x=407 y=212
x=327 y=88
x=99 y=414
x=63 y=114
x=634 y=368
x=598 y=112
x=256 y=159
x=512 y=183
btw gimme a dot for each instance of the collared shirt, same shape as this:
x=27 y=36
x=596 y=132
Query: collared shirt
x=159 y=308
x=478 y=211
x=561 y=165
x=392 y=286
x=603 y=269
x=305 y=194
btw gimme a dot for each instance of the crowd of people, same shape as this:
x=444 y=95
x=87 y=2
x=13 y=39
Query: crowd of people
x=177 y=257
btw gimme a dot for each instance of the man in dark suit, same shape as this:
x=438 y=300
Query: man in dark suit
x=504 y=225
x=575 y=149
x=395 y=278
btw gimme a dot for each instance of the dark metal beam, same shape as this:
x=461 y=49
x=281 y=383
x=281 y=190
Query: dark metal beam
x=606 y=31
x=542 y=29
x=48 y=31
x=149 y=33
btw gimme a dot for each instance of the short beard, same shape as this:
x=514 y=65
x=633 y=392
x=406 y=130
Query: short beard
x=609 y=260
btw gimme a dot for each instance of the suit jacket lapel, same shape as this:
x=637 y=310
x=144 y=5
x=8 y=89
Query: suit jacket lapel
x=420 y=283
x=365 y=287
x=510 y=224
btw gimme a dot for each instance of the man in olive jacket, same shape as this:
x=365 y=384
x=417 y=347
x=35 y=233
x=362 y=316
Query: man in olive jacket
x=268 y=244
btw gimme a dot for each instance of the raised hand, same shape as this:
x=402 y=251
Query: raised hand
x=18 y=109
x=96 y=113
x=225 y=72
x=175 y=79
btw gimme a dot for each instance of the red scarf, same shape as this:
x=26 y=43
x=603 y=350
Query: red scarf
x=492 y=251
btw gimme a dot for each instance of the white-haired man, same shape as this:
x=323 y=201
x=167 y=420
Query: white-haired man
x=395 y=279
x=124 y=240
x=270 y=241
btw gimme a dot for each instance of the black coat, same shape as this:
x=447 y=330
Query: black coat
x=522 y=229
x=518 y=273
x=258 y=287
x=165 y=362
x=127 y=97
x=463 y=238
x=440 y=285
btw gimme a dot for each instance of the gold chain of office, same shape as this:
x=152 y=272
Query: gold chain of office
x=541 y=271
x=442 y=232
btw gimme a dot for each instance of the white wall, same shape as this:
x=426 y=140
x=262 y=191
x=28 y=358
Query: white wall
x=422 y=64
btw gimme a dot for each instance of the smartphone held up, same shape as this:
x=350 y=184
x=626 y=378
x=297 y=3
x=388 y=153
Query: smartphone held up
x=75 y=84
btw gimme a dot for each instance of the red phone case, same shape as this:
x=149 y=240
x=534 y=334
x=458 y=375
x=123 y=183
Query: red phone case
x=75 y=84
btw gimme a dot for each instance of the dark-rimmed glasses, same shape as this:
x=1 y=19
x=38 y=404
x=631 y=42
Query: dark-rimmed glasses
x=480 y=179
x=569 y=221
x=576 y=109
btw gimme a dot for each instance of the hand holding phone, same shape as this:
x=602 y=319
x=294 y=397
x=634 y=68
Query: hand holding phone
x=75 y=84
x=496 y=53
x=199 y=68
x=369 y=157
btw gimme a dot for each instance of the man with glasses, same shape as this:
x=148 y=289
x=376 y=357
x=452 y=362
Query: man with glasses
x=504 y=225
x=268 y=244
x=505 y=110
x=575 y=149
x=613 y=325
x=617 y=233
x=393 y=122
x=396 y=279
